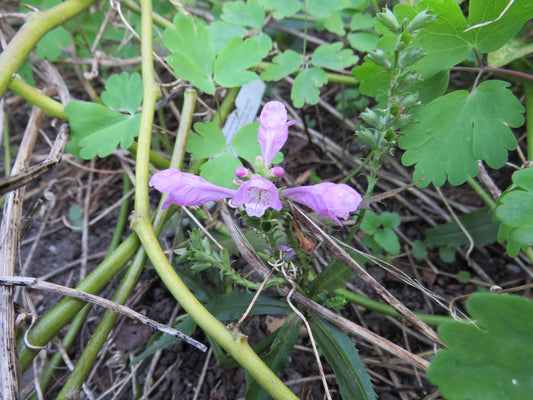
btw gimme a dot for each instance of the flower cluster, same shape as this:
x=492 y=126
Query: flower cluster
x=257 y=192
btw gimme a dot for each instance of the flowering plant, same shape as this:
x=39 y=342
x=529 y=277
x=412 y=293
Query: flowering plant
x=257 y=192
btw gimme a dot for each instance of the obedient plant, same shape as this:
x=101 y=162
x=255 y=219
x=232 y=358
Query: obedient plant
x=257 y=192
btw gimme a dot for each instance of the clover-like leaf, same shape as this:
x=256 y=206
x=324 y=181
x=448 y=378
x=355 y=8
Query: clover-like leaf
x=50 y=45
x=323 y=8
x=363 y=41
x=471 y=127
x=282 y=8
x=515 y=212
x=235 y=58
x=207 y=142
x=123 y=92
x=331 y=56
x=283 y=64
x=222 y=32
x=97 y=129
x=246 y=145
x=247 y=14
x=305 y=88
x=193 y=53
x=491 y=360
x=333 y=23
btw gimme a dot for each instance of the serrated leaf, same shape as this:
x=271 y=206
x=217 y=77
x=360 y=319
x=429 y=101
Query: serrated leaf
x=334 y=276
x=283 y=65
x=331 y=56
x=247 y=14
x=193 y=53
x=282 y=8
x=491 y=360
x=222 y=32
x=50 y=45
x=234 y=59
x=123 y=92
x=207 y=142
x=515 y=211
x=372 y=77
x=323 y=8
x=221 y=170
x=363 y=41
x=305 y=88
x=341 y=353
x=478 y=223
x=97 y=130
x=471 y=127
x=388 y=239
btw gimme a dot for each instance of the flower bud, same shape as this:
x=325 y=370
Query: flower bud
x=420 y=20
x=379 y=57
x=389 y=20
x=241 y=172
x=277 y=172
x=410 y=57
x=371 y=117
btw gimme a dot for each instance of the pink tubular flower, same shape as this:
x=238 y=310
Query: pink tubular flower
x=273 y=130
x=257 y=195
x=329 y=199
x=186 y=189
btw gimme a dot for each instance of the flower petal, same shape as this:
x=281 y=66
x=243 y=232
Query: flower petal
x=257 y=194
x=273 y=130
x=328 y=199
x=186 y=189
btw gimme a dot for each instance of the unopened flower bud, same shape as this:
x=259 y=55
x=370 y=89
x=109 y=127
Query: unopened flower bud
x=380 y=58
x=410 y=57
x=389 y=20
x=420 y=20
x=241 y=172
x=277 y=172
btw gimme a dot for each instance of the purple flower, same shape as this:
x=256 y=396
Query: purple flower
x=186 y=189
x=329 y=199
x=257 y=195
x=273 y=130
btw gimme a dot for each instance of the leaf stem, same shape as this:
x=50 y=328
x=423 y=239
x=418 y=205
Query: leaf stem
x=34 y=96
x=30 y=33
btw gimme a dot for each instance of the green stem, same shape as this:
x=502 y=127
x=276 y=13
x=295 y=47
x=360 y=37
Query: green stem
x=528 y=91
x=33 y=96
x=433 y=320
x=122 y=216
x=68 y=340
x=30 y=33
x=481 y=192
x=42 y=332
x=235 y=343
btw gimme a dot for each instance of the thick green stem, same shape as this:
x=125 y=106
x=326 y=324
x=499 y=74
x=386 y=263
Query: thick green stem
x=528 y=90
x=31 y=32
x=32 y=95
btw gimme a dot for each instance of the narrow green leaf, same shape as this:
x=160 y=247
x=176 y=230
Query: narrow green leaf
x=207 y=142
x=341 y=353
x=491 y=360
x=331 y=56
x=306 y=86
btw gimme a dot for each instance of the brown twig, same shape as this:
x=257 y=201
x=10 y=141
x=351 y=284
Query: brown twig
x=34 y=283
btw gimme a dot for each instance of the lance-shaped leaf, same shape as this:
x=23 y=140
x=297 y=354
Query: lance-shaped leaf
x=471 y=127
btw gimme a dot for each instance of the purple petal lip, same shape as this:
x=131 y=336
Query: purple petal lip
x=257 y=194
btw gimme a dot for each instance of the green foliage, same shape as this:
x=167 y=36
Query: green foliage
x=207 y=142
x=472 y=126
x=282 y=8
x=491 y=359
x=97 y=129
x=249 y=14
x=305 y=87
x=331 y=56
x=341 y=353
x=381 y=231
x=50 y=45
x=282 y=65
x=360 y=38
x=515 y=212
